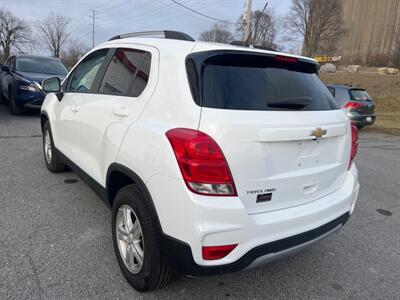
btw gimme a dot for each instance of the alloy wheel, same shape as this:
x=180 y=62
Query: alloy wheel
x=130 y=239
x=48 y=151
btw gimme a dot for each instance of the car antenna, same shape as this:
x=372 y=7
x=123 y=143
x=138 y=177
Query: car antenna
x=246 y=43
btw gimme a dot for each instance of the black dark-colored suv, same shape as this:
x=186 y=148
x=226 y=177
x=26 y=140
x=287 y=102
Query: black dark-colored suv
x=359 y=105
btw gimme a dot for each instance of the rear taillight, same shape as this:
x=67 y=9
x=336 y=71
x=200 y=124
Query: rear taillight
x=202 y=163
x=217 y=252
x=353 y=104
x=354 y=144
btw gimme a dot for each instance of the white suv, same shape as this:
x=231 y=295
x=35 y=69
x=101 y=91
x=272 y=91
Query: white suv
x=214 y=158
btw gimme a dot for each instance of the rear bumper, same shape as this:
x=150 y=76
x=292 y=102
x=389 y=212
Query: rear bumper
x=362 y=120
x=180 y=257
x=191 y=221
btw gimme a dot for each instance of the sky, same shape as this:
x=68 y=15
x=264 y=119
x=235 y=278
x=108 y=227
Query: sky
x=115 y=17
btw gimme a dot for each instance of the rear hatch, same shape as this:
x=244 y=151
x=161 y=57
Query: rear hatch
x=283 y=135
x=361 y=96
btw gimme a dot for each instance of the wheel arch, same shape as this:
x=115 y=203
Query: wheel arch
x=43 y=118
x=119 y=176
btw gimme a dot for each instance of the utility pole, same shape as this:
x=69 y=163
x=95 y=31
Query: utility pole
x=93 y=26
x=247 y=18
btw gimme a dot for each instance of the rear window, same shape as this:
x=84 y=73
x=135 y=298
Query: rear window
x=359 y=95
x=248 y=82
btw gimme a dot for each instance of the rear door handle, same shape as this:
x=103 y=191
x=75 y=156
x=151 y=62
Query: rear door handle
x=121 y=111
x=75 y=108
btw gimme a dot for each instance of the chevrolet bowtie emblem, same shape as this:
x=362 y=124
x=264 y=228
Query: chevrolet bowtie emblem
x=318 y=133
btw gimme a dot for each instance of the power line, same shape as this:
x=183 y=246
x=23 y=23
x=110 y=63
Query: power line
x=170 y=17
x=74 y=30
x=114 y=11
x=199 y=13
x=164 y=17
x=134 y=18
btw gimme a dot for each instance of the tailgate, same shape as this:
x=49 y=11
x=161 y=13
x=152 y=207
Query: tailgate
x=274 y=160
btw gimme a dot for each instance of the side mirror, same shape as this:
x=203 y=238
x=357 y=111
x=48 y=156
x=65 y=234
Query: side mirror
x=51 y=85
x=5 y=68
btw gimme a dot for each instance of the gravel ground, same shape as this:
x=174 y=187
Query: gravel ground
x=55 y=237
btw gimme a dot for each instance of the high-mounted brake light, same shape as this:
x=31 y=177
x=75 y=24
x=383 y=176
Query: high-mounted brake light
x=217 y=252
x=354 y=144
x=353 y=104
x=285 y=59
x=202 y=163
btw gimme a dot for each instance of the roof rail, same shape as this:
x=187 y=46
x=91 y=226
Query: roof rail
x=167 y=34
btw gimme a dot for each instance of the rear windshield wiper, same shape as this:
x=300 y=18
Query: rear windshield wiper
x=291 y=103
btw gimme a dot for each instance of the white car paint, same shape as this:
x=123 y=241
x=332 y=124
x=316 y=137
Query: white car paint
x=264 y=150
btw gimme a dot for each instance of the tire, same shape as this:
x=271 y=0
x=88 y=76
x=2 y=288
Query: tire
x=51 y=157
x=154 y=272
x=14 y=109
x=359 y=127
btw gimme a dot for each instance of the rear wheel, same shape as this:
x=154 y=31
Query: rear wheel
x=136 y=238
x=14 y=109
x=51 y=157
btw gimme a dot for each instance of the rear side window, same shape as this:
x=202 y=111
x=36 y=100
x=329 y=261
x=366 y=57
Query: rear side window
x=359 y=95
x=127 y=73
x=247 y=82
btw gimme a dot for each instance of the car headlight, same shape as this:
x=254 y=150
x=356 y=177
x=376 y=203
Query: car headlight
x=31 y=87
x=38 y=85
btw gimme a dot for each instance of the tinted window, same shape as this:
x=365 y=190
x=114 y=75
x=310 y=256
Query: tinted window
x=142 y=77
x=8 y=62
x=86 y=71
x=342 y=96
x=332 y=90
x=246 y=83
x=359 y=95
x=125 y=73
x=41 y=65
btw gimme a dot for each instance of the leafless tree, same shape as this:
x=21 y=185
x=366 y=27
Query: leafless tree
x=267 y=30
x=219 y=33
x=396 y=52
x=319 y=22
x=14 y=32
x=53 y=32
x=75 y=50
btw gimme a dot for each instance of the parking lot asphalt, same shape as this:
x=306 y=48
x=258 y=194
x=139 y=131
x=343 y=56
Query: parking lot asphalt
x=55 y=236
